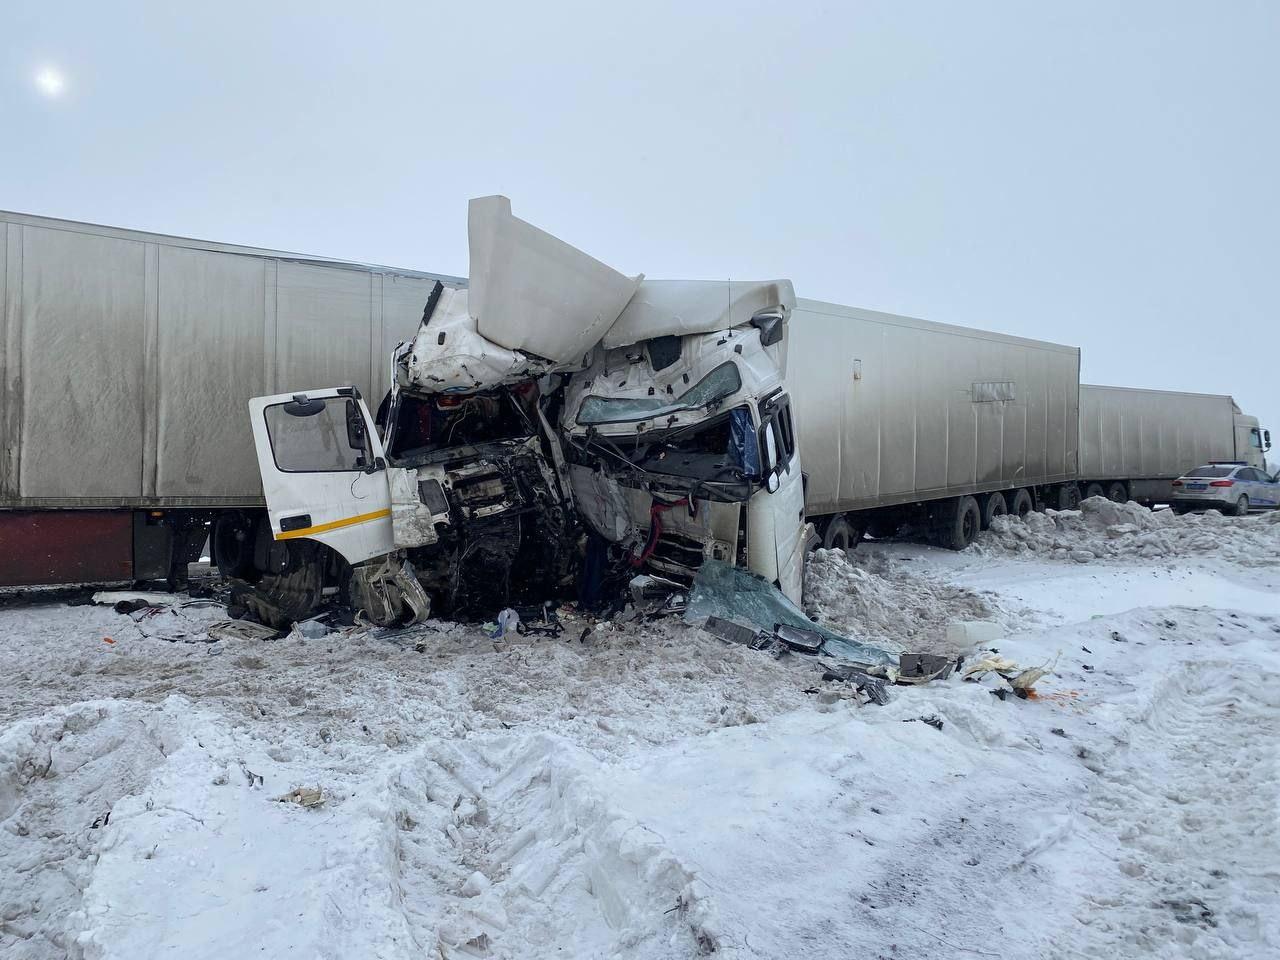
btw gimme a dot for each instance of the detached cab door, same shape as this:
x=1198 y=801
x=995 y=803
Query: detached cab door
x=324 y=472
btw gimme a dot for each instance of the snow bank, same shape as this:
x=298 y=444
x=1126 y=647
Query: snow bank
x=1101 y=529
x=865 y=597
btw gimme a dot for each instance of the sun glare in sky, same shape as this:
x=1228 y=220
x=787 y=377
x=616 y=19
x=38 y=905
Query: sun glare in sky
x=50 y=81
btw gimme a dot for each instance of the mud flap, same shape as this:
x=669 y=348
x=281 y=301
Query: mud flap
x=388 y=593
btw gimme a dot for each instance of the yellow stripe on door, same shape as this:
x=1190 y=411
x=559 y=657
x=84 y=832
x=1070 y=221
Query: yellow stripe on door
x=334 y=525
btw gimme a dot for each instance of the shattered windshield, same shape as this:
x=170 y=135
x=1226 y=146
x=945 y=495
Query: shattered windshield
x=721 y=382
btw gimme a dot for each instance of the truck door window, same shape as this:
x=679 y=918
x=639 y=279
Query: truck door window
x=326 y=442
x=770 y=448
x=1255 y=439
x=788 y=434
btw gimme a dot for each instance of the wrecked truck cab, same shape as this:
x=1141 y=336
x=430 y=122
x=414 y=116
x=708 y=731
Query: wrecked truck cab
x=681 y=445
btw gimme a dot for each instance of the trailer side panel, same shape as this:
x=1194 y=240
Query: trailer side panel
x=894 y=410
x=1129 y=434
x=129 y=358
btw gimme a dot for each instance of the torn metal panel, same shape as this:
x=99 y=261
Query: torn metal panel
x=622 y=393
x=601 y=503
x=388 y=592
x=448 y=353
x=534 y=293
x=497 y=508
x=413 y=521
x=662 y=308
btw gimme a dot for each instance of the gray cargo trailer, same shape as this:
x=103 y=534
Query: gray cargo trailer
x=900 y=418
x=1134 y=442
x=128 y=360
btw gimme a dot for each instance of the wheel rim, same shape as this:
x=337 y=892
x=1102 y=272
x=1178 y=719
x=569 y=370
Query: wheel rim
x=968 y=526
x=1242 y=506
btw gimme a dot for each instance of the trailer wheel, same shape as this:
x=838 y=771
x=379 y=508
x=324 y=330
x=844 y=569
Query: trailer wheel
x=1068 y=497
x=993 y=506
x=232 y=543
x=1094 y=490
x=958 y=522
x=1022 y=504
x=1116 y=493
x=840 y=534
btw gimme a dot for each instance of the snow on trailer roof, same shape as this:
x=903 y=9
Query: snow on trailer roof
x=145 y=236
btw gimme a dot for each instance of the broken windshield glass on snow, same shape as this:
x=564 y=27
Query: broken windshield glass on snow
x=721 y=382
x=734 y=594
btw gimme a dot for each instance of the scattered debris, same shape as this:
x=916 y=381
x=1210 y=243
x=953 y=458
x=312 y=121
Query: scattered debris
x=506 y=621
x=875 y=688
x=916 y=668
x=932 y=720
x=539 y=621
x=970 y=634
x=309 y=797
x=728 y=592
x=1027 y=679
x=312 y=629
x=800 y=639
x=1058 y=732
x=135 y=599
x=993 y=663
x=233 y=630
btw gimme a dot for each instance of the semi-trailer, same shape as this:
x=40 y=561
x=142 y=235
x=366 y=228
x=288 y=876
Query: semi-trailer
x=1134 y=443
x=127 y=360
x=547 y=397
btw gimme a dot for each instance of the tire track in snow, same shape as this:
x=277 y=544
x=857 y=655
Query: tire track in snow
x=1186 y=813
x=526 y=856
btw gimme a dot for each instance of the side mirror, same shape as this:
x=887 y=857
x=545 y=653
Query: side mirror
x=769 y=322
x=773 y=482
x=301 y=406
x=1266 y=439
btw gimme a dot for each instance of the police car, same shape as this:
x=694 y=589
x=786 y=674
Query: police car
x=1231 y=486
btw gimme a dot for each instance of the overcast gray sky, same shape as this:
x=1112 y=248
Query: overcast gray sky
x=1096 y=173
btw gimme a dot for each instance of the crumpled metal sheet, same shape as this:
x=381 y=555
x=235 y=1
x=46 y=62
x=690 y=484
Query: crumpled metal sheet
x=731 y=593
x=663 y=308
x=532 y=292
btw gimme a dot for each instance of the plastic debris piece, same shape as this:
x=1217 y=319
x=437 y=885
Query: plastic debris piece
x=993 y=663
x=508 y=621
x=1027 y=679
x=801 y=639
x=932 y=720
x=967 y=634
x=876 y=688
x=915 y=668
x=240 y=630
x=308 y=797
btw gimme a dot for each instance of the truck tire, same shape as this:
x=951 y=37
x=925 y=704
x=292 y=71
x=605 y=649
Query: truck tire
x=231 y=543
x=957 y=523
x=1117 y=493
x=1068 y=497
x=840 y=534
x=1242 y=505
x=993 y=506
x=1022 y=504
x=1094 y=490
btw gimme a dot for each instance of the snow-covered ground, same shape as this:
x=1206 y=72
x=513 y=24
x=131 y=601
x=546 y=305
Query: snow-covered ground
x=646 y=791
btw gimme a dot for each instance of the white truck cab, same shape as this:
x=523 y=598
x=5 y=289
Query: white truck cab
x=553 y=389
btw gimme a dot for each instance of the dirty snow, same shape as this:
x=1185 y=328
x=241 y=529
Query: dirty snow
x=645 y=791
x=1101 y=529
